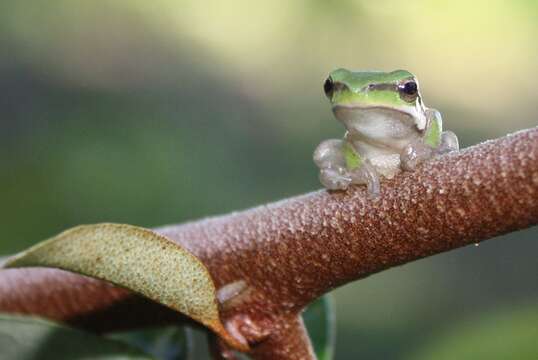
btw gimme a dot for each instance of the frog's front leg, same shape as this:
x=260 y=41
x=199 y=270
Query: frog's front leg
x=341 y=165
x=332 y=166
x=449 y=142
x=435 y=141
x=414 y=154
x=366 y=174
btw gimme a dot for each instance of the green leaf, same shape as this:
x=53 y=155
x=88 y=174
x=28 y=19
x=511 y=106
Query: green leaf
x=163 y=343
x=319 y=320
x=28 y=338
x=137 y=259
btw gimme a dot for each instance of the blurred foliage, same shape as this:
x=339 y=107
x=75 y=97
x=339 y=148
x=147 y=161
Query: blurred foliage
x=159 y=112
x=168 y=343
x=28 y=338
x=319 y=321
x=498 y=336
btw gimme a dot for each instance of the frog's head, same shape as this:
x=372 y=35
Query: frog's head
x=369 y=101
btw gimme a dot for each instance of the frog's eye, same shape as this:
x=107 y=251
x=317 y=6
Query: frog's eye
x=409 y=91
x=328 y=87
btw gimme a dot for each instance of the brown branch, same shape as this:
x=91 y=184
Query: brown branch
x=290 y=252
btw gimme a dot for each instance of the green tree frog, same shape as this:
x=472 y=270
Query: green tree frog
x=388 y=129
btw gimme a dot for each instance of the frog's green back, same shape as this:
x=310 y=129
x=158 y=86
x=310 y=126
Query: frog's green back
x=356 y=80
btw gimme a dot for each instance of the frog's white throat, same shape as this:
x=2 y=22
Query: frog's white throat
x=380 y=123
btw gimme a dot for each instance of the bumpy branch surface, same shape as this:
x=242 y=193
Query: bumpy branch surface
x=276 y=258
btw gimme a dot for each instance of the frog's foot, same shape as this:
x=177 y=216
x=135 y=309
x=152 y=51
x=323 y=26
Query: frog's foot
x=414 y=154
x=449 y=142
x=366 y=174
x=334 y=178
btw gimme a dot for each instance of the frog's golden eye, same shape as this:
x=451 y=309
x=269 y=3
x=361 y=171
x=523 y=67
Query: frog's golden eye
x=328 y=87
x=408 y=91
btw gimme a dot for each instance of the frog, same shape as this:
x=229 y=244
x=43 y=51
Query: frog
x=388 y=129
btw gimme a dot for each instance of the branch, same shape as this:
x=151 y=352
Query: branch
x=281 y=256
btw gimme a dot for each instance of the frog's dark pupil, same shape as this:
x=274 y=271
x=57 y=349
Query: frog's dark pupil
x=328 y=87
x=410 y=88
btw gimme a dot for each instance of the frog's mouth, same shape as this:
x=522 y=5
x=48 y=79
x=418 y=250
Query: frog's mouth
x=404 y=114
x=377 y=123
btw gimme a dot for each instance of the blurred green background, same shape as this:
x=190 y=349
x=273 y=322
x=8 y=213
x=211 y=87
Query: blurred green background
x=155 y=112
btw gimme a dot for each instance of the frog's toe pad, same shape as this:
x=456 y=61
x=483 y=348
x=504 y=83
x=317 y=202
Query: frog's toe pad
x=334 y=179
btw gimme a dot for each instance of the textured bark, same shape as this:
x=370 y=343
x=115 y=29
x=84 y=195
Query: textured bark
x=279 y=257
